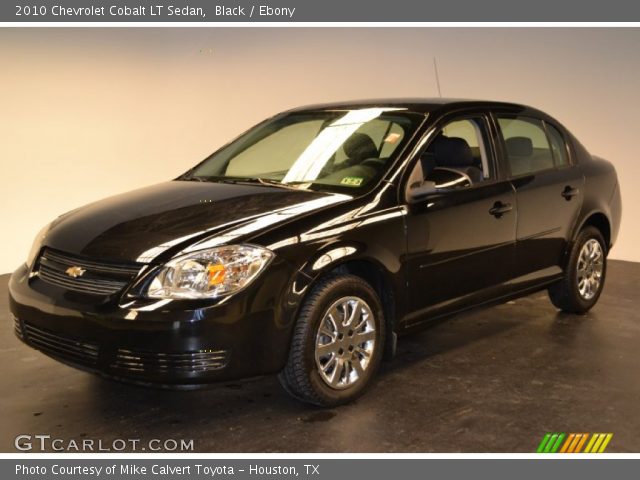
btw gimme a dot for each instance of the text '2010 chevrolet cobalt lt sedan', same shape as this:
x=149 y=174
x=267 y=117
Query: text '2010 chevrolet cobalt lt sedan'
x=305 y=246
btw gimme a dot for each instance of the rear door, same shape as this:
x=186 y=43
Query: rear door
x=549 y=192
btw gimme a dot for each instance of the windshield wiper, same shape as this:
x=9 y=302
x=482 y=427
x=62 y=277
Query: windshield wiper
x=262 y=181
x=208 y=178
x=246 y=180
x=276 y=183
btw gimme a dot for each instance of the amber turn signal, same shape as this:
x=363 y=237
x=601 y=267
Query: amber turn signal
x=216 y=274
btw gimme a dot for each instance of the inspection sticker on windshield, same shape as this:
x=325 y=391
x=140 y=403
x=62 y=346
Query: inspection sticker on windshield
x=351 y=181
x=392 y=138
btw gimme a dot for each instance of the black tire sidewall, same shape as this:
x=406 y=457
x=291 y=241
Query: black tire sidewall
x=342 y=287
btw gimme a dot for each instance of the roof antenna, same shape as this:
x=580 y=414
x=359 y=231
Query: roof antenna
x=435 y=69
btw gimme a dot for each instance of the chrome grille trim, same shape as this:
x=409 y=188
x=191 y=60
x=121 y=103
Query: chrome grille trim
x=197 y=361
x=98 y=287
x=121 y=269
x=17 y=327
x=98 y=279
x=61 y=346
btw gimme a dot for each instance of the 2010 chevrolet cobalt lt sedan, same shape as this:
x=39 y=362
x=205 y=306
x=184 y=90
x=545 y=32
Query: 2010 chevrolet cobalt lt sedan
x=308 y=244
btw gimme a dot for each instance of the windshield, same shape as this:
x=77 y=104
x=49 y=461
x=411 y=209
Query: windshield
x=346 y=151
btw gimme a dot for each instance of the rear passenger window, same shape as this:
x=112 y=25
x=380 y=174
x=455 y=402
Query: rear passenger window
x=528 y=149
x=558 y=146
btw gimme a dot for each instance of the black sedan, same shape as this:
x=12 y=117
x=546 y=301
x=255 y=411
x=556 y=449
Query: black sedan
x=308 y=244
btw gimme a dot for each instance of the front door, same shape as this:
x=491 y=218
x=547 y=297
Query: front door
x=461 y=239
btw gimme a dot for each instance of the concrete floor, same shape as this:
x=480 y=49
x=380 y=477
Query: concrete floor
x=494 y=380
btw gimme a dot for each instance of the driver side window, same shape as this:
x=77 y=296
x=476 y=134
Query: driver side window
x=457 y=156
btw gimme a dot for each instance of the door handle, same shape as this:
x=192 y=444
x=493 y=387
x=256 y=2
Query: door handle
x=569 y=192
x=500 y=209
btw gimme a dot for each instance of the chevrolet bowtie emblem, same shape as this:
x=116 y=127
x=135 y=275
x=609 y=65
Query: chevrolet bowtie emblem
x=75 y=271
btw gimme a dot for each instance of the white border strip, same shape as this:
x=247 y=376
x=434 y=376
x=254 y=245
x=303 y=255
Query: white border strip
x=293 y=456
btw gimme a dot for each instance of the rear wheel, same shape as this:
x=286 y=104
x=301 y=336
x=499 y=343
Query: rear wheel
x=584 y=278
x=337 y=342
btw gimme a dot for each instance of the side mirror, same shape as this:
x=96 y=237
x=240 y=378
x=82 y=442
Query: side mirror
x=441 y=180
x=419 y=191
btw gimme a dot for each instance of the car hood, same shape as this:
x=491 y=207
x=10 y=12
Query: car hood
x=141 y=225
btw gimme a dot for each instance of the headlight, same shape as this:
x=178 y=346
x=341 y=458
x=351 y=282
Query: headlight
x=37 y=245
x=210 y=273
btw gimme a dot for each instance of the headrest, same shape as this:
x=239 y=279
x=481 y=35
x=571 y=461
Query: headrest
x=452 y=152
x=436 y=142
x=519 y=146
x=359 y=147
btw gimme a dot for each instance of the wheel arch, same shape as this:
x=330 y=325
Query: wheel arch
x=600 y=221
x=380 y=279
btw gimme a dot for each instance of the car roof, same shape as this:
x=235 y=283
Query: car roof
x=421 y=105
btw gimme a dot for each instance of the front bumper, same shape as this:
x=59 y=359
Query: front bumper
x=168 y=344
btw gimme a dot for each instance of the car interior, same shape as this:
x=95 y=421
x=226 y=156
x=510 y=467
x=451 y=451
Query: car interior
x=452 y=153
x=527 y=145
x=524 y=158
x=455 y=158
x=360 y=158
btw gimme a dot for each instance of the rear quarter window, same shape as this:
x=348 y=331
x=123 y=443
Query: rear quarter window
x=558 y=146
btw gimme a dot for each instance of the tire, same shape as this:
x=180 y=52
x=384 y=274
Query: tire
x=577 y=293
x=335 y=366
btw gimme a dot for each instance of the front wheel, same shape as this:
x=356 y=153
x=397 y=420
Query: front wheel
x=337 y=342
x=582 y=284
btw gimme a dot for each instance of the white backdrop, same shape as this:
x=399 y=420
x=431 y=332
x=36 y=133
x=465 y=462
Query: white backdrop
x=87 y=113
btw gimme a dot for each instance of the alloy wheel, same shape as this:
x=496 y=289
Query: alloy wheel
x=345 y=342
x=589 y=269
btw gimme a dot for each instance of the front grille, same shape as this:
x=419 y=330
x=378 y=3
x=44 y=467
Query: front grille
x=197 y=361
x=61 y=346
x=93 y=277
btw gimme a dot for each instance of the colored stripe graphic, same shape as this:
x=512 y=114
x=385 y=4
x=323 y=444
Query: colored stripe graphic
x=551 y=443
x=574 y=443
x=565 y=447
x=581 y=443
x=598 y=443
x=543 y=443
x=556 y=446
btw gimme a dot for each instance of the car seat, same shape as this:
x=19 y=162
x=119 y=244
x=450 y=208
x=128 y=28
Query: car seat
x=455 y=153
x=359 y=147
x=520 y=152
